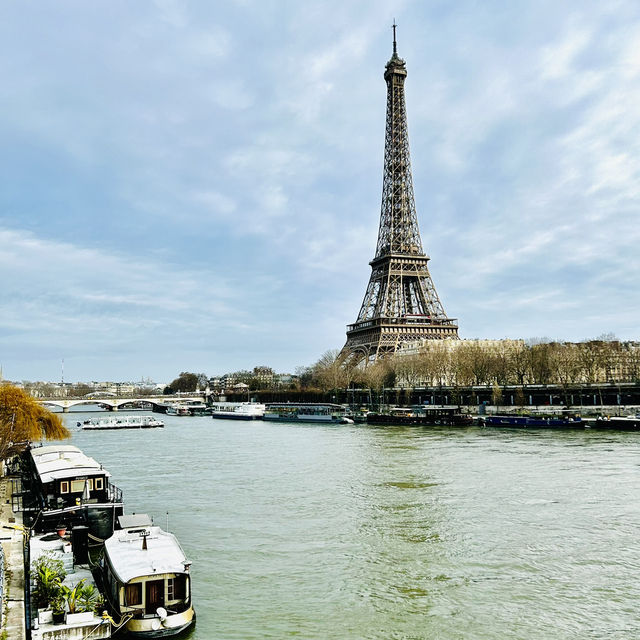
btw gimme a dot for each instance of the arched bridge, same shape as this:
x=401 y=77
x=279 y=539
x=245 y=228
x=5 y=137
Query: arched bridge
x=114 y=404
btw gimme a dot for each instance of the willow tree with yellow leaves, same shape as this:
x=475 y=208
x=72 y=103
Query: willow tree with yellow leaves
x=24 y=420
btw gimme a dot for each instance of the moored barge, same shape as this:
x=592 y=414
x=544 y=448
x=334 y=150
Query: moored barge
x=62 y=485
x=146 y=579
x=532 y=421
x=616 y=423
x=447 y=416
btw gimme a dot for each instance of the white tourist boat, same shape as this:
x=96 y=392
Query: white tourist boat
x=178 y=410
x=237 y=410
x=306 y=412
x=146 y=579
x=122 y=422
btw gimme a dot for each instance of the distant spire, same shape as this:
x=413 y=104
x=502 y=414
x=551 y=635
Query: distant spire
x=395 y=48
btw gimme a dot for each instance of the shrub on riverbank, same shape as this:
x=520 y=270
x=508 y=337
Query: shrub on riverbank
x=24 y=420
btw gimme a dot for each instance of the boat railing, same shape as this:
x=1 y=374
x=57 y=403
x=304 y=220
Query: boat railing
x=114 y=494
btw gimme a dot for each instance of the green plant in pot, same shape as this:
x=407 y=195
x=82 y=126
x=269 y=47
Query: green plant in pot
x=82 y=597
x=90 y=599
x=58 y=606
x=49 y=574
x=70 y=596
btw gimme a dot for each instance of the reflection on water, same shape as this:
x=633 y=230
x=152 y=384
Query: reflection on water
x=357 y=532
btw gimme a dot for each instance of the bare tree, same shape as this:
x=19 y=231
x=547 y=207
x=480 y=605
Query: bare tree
x=330 y=372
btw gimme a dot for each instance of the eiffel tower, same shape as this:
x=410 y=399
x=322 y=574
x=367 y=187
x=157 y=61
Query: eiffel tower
x=401 y=303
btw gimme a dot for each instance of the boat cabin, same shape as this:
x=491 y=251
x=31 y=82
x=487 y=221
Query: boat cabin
x=69 y=487
x=305 y=412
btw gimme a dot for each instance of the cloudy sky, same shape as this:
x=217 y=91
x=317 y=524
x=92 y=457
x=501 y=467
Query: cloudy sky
x=195 y=186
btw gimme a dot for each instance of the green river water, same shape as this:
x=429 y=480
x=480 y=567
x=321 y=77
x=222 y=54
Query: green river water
x=301 y=531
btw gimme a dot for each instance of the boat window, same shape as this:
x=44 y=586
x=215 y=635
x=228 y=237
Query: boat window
x=133 y=594
x=99 y=484
x=64 y=486
x=77 y=486
x=176 y=588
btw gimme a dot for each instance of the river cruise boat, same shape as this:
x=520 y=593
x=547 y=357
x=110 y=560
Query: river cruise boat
x=238 y=410
x=306 y=412
x=533 y=421
x=187 y=408
x=178 y=410
x=122 y=422
x=449 y=416
x=146 y=580
x=60 y=485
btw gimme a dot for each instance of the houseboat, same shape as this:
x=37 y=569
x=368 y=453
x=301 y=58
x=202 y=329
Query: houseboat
x=146 y=579
x=62 y=485
x=238 y=410
x=449 y=416
x=533 y=421
x=306 y=412
x=616 y=423
x=122 y=422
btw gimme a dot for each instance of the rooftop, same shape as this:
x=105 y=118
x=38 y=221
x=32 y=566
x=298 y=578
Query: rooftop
x=64 y=461
x=129 y=559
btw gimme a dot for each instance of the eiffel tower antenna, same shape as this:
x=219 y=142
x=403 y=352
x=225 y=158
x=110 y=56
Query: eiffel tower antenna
x=395 y=48
x=401 y=302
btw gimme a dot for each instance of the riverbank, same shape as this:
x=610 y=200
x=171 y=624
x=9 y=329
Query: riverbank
x=11 y=536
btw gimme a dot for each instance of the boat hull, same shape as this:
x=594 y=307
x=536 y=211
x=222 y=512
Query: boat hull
x=616 y=424
x=308 y=419
x=456 y=420
x=531 y=422
x=123 y=426
x=153 y=627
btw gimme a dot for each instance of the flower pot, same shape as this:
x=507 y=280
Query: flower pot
x=58 y=617
x=45 y=616
x=77 y=618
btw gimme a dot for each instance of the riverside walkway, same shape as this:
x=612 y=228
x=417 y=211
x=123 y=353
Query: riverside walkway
x=11 y=536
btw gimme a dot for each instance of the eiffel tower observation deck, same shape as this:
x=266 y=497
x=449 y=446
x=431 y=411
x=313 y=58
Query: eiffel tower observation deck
x=401 y=303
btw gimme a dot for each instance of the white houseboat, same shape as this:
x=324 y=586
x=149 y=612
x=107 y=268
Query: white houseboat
x=178 y=409
x=146 y=579
x=306 y=412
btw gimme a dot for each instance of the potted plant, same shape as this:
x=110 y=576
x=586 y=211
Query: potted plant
x=90 y=599
x=57 y=606
x=79 y=601
x=48 y=573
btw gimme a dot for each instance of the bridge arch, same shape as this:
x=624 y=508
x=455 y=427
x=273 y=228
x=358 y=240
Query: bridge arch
x=112 y=404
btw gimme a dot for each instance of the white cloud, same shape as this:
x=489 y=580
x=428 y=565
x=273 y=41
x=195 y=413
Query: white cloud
x=181 y=159
x=558 y=59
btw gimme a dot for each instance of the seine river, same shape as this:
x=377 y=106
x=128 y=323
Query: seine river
x=361 y=532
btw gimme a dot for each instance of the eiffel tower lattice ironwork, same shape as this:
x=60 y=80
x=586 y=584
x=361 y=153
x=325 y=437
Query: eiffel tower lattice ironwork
x=401 y=303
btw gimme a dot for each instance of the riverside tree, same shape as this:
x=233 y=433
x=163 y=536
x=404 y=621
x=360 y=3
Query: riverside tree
x=24 y=420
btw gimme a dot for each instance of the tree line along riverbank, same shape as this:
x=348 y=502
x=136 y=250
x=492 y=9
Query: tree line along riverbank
x=587 y=397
